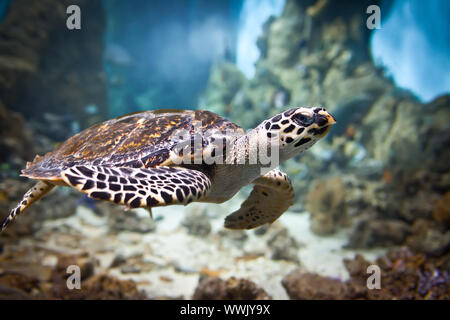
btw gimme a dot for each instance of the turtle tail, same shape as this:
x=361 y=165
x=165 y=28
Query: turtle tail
x=39 y=190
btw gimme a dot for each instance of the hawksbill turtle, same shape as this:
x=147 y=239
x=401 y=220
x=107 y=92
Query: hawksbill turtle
x=141 y=160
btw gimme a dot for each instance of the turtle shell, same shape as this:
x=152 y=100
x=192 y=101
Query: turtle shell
x=141 y=139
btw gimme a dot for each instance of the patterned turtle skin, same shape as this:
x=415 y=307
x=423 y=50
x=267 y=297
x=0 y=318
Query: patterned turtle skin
x=137 y=140
x=139 y=161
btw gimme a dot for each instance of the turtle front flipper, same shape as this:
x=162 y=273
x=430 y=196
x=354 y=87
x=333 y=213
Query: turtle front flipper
x=271 y=196
x=39 y=190
x=138 y=187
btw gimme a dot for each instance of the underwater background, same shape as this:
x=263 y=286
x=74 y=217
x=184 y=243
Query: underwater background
x=375 y=191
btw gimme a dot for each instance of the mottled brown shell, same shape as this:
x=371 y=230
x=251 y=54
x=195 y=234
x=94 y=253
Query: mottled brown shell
x=142 y=139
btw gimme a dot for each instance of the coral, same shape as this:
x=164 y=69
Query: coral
x=321 y=60
x=404 y=275
x=27 y=274
x=326 y=203
x=429 y=237
x=318 y=54
x=395 y=129
x=14 y=285
x=107 y=287
x=400 y=207
x=100 y=287
x=441 y=211
x=370 y=233
x=231 y=289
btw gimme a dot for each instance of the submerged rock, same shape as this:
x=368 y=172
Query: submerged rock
x=283 y=246
x=404 y=275
x=59 y=204
x=8 y=293
x=401 y=207
x=17 y=286
x=102 y=287
x=49 y=67
x=233 y=238
x=441 y=211
x=429 y=237
x=326 y=201
x=130 y=269
x=84 y=261
x=230 y=289
x=301 y=285
x=197 y=222
x=372 y=233
x=224 y=83
x=40 y=273
x=119 y=220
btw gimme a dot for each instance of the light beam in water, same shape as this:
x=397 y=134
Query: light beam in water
x=414 y=46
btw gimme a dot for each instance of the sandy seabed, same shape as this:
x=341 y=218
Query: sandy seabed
x=168 y=262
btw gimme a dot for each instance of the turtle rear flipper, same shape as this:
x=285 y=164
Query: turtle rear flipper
x=271 y=196
x=138 y=187
x=39 y=190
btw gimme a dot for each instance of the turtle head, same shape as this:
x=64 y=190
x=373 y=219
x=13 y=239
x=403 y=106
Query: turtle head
x=298 y=129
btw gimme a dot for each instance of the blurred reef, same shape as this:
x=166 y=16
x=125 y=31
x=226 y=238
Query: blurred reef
x=386 y=165
x=384 y=169
x=375 y=191
x=48 y=68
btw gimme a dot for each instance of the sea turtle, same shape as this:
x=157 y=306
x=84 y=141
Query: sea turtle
x=149 y=159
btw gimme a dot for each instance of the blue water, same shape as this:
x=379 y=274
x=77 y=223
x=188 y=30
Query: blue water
x=4 y=4
x=254 y=14
x=414 y=46
x=159 y=54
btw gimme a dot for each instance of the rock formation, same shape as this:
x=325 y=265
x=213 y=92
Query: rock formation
x=45 y=67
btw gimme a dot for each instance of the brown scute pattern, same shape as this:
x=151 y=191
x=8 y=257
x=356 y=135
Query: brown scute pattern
x=271 y=196
x=139 y=140
x=139 y=187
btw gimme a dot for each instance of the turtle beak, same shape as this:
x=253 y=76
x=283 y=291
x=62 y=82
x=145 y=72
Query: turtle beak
x=324 y=118
x=324 y=121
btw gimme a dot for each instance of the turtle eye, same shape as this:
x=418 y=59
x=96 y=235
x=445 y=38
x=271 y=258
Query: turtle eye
x=303 y=120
